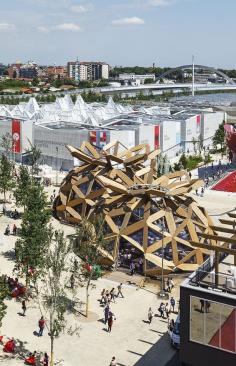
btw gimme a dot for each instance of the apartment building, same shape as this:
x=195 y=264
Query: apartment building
x=87 y=70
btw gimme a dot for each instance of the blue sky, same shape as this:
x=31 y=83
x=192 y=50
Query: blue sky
x=121 y=32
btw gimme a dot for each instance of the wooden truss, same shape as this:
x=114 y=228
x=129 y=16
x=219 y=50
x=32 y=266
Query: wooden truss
x=144 y=213
x=222 y=241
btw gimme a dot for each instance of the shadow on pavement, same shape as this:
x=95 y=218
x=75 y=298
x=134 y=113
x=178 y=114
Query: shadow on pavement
x=161 y=354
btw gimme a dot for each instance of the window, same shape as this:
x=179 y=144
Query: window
x=213 y=324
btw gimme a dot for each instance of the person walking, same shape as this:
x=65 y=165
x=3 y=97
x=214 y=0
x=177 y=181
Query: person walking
x=202 y=191
x=102 y=300
x=119 y=288
x=172 y=304
x=45 y=359
x=72 y=281
x=110 y=322
x=41 y=326
x=23 y=306
x=167 y=312
x=112 y=294
x=106 y=313
x=150 y=315
x=14 y=230
x=113 y=361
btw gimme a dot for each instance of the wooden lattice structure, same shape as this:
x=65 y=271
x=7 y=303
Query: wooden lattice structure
x=143 y=212
x=222 y=241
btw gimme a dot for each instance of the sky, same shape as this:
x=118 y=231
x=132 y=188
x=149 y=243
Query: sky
x=119 y=32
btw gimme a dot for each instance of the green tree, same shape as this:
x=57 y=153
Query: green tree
x=6 y=175
x=23 y=183
x=88 y=244
x=6 y=142
x=219 y=137
x=4 y=293
x=51 y=289
x=35 y=234
x=34 y=155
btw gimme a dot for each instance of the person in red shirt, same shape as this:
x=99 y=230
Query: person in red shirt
x=9 y=346
x=31 y=360
x=41 y=326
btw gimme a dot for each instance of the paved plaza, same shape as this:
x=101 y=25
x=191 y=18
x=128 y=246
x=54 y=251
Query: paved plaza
x=132 y=341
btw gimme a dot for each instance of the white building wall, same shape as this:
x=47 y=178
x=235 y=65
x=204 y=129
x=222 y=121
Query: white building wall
x=126 y=137
x=147 y=135
x=170 y=138
x=83 y=72
x=210 y=123
x=105 y=71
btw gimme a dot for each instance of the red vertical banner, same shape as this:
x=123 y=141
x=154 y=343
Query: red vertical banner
x=16 y=137
x=157 y=137
x=198 y=123
x=93 y=137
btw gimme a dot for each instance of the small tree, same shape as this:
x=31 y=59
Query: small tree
x=6 y=175
x=35 y=235
x=51 y=289
x=6 y=143
x=219 y=137
x=34 y=155
x=23 y=183
x=4 y=292
x=88 y=244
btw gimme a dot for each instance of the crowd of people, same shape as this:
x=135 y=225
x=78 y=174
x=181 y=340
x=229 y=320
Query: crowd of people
x=106 y=298
x=31 y=359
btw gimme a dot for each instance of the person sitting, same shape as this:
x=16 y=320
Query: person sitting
x=31 y=360
x=9 y=346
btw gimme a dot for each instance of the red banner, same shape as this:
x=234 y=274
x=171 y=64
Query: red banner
x=16 y=145
x=157 y=137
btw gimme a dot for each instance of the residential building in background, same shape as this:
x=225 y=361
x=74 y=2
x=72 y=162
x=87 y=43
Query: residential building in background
x=134 y=79
x=55 y=72
x=83 y=70
x=28 y=70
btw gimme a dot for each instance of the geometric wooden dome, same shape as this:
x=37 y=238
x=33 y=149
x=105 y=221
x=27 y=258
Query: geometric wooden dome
x=142 y=211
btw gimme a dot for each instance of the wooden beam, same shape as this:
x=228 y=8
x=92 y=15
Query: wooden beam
x=214 y=248
x=223 y=229
x=218 y=238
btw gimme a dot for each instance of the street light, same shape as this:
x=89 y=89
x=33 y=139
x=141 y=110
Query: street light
x=162 y=294
x=56 y=165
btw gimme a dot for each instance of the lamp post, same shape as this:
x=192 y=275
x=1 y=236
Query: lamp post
x=56 y=165
x=162 y=294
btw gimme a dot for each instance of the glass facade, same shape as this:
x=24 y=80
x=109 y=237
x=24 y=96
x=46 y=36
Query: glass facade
x=213 y=324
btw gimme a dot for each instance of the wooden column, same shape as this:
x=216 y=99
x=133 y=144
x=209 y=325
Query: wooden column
x=217 y=259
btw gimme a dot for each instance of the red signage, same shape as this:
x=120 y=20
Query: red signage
x=157 y=137
x=16 y=145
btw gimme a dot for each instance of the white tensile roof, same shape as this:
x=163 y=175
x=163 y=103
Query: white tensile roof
x=63 y=110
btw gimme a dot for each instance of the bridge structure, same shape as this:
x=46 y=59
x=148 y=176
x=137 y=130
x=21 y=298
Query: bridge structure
x=197 y=67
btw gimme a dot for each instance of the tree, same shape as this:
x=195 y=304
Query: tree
x=6 y=142
x=88 y=244
x=35 y=234
x=51 y=289
x=219 y=137
x=6 y=175
x=4 y=293
x=23 y=183
x=34 y=155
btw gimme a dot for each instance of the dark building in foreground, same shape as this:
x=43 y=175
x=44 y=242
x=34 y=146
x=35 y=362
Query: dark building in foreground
x=208 y=316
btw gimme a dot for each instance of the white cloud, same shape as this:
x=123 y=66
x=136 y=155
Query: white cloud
x=67 y=27
x=5 y=27
x=128 y=21
x=43 y=29
x=81 y=8
x=159 y=2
